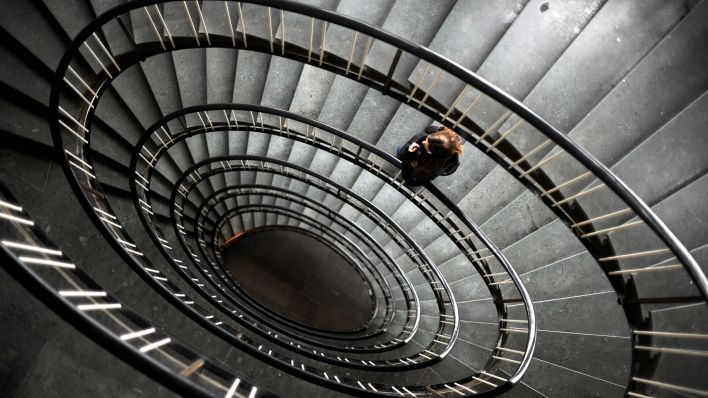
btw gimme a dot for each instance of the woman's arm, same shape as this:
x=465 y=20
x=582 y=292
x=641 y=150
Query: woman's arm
x=408 y=154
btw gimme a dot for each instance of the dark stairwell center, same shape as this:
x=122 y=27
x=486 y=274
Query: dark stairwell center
x=300 y=278
x=199 y=198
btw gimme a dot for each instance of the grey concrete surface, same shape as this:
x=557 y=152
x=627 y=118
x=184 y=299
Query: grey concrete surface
x=625 y=80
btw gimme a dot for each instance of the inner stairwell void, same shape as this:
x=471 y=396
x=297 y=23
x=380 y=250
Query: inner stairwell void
x=146 y=143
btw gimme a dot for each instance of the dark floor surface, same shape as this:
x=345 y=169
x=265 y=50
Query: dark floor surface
x=298 y=277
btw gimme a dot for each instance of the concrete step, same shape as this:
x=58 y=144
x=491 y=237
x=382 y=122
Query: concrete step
x=494 y=191
x=297 y=27
x=156 y=78
x=688 y=225
x=101 y=6
x=667 y=172
x=368 y=124
x=215 y=21
x=558 y=26
x=307 y=100
x=283 y=74
x=113 y=110
x=635 y=115
x=417 y=21
x=555 y=380
x=679 y=369
x=251 y=73
x=483 y=25
x=314 y=91
x=220 y=74
x=619 y=32
x=72 y=15
x=32 y=82
x=39 y=341
x=339 y=40
x=513 y=222
x=24 y=122
x=133 y=88
x=45 y=42
x=344 y=98
x=525 y=214
x=404 y=123
x=190 y=68
x=159 y=72
x=280 y=86
x=559 y=268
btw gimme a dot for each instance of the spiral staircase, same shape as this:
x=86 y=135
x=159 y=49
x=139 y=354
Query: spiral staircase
x=565 y=258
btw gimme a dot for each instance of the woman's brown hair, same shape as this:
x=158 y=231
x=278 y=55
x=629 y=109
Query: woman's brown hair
x=445 y=143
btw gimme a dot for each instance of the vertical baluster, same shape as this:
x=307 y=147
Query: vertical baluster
x=351 y=52
x=191 y=23
x=154 y=28
x=231 y=25
x=323 y=41
x=164 y=24
x=243 y=24
x=282 y=32
x=203 y=22
x=270 y=28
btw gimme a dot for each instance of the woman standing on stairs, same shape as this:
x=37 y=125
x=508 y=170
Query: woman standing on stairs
x=428 y=155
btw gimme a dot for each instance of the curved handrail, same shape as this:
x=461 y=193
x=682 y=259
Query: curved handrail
x=158 y=150
x=206 y=208
x=336 y=237
x=692 y=271
x=97 y=329
x=336 y=187
x=394 y=265
x=584 y=157
x=67 y=169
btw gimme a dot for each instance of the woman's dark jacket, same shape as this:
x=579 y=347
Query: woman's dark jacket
x=420 y=156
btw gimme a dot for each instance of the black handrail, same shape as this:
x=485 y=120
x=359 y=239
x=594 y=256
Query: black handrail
x=269 y=129
x=146 y=223
x=585 y=158
x=380 y=251
x=690 y=272
x=453 y=307
x=324 y=334
x=381 y=281
x=93 y=329
x=330 y=183
x=532 y=329
x=701 y=286
x=247 y=107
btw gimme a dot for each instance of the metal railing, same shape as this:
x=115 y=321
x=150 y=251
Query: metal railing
x=496 y=138
x=215 y=124
x=61 y=284
x=372 y=162
x=352 y=249
x=83 y=168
